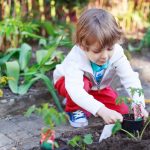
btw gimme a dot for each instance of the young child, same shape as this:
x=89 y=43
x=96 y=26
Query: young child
x=85 y=75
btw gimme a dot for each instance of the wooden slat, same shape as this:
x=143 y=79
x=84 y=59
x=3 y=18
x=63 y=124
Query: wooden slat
x=147 y=101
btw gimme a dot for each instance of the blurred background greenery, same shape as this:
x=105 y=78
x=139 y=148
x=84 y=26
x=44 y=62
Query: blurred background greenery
x=44 y=17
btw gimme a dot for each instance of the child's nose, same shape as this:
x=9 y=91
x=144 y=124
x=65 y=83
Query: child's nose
x=104 y=54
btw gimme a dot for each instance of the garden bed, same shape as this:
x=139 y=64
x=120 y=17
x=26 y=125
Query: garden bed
x=118 y=141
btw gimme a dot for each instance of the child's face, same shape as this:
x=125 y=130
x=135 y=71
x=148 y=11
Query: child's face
x=97 y=56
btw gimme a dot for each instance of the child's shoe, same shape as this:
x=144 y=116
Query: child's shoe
x=77 y=119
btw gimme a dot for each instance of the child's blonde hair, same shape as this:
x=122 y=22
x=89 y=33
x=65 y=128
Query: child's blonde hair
x=97 y=25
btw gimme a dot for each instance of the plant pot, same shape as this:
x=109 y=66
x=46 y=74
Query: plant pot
x=130 y=124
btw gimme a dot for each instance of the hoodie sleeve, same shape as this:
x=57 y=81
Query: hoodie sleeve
x=128 y=77
x=74 y=86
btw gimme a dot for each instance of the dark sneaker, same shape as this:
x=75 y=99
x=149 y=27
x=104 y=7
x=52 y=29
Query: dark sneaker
x=77 y=119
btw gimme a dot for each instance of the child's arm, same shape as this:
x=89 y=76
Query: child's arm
x=127 y=76
x=74 y=85
x=109 y=116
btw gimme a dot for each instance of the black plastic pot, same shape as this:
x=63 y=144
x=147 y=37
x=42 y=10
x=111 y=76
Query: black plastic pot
x=130 y=124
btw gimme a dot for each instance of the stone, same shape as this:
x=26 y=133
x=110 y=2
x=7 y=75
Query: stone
x=3 y=101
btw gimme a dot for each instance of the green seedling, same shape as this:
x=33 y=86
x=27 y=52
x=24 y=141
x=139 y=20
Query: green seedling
x=50 y=115
x=51 y=118
x=138 y=136
x=129 y=101
x=81 y=142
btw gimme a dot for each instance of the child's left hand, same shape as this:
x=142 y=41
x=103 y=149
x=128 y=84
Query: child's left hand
x=140 y=111
x=145 y=113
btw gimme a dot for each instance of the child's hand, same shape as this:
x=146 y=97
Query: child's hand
x=109 y=116
x=140 y=111
x=145 y=113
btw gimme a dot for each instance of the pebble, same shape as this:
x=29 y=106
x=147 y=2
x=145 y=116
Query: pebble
x=11 y=101
x=3 y=101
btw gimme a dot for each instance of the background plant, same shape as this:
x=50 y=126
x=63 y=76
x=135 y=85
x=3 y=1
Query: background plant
x=51 y=117
x=58 y=30
x=13 y=32
x=15 y=63
x=132 y=14
x=81 y=141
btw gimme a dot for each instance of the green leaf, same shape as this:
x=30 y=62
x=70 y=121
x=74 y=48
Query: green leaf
x=88 y=139
x=74 y=141
x=51 y=116
x=56 y=57
x=63 y=116
x=40 y=54
x=25 y=55
x=133 y=90
x=117 y=127
x=46 y=68
x=13 y=70
x=43 y=42
x=50 y=87
x=55 y=117
x=30 y=72
x=24 y=88
x=7 y=56
x=31 y=35
x=30 y=111
x=49 y=55
x=49 y=28
x=56 y=144
x=47 y=120
x=50 y=52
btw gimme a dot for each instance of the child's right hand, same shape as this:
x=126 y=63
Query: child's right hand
x=109 y=116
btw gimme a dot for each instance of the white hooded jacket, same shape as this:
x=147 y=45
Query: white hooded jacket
x=76 y=65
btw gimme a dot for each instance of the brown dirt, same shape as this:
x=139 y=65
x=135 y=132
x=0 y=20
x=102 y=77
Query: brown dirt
x=119 y=141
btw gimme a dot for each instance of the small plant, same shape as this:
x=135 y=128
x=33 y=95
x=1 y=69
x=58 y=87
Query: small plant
x=50 y=115
x=132 y=122
x=136 y=136
x=13 y=31
x=51 y=118
x=81 y=142
x=129 y=101
x=16 y=63
x=55 y=31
